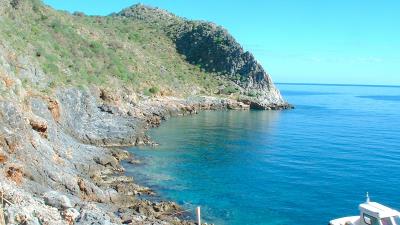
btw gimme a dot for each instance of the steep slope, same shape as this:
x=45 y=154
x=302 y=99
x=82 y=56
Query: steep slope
x=214 y=50
x=148 y=50
x=102 y=51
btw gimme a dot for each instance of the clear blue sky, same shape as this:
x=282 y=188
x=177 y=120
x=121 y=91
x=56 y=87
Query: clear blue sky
x=297 y=41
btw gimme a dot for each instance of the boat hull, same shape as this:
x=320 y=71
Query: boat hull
x=351 y=220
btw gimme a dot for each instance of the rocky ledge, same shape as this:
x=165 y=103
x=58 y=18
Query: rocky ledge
x=61 y=163
x=60 y=152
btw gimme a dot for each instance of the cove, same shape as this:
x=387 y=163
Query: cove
x=303 y=166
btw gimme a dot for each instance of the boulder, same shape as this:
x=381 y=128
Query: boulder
x=57 y=200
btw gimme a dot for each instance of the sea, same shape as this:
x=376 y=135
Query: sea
x=304 y=166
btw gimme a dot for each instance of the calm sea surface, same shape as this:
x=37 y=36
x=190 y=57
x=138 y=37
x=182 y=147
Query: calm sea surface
x=298 y=167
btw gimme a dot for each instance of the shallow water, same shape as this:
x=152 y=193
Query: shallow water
x=303 y=166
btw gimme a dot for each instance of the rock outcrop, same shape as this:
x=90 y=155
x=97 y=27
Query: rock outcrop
x=54 y=168
x=214 y=50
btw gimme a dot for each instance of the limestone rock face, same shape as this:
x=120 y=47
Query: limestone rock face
x=91 y=124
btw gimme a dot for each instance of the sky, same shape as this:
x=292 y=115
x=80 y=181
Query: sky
x=296 y=41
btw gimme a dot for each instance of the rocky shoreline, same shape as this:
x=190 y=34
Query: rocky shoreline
x=66 y=110
x=61 y=155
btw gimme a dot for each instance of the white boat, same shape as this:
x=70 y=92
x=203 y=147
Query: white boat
x=371 y=213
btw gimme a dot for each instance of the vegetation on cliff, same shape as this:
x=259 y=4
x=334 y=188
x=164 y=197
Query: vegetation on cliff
x=146 y=49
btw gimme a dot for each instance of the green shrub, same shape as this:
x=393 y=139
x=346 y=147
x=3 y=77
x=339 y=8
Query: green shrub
x=50 y=69
x=252 y=94
x=119 y=69
x=36 y=5
x=230 y=90
x=50 y=58
x=56 y=26
x=44 y=17
x=39 y=52
x=147 y=92
x=96 y=47
x=219 y=40
x=80 y=14
x=134 y=37
x=154 y=90
x=52 y=84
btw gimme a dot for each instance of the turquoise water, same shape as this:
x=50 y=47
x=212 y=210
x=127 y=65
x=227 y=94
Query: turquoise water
x=298 y=167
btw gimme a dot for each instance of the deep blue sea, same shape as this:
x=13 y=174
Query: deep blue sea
x=297 y=167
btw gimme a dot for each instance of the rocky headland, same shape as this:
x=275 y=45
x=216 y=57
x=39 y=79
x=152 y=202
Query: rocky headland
x=76 y=89
x=211 y=48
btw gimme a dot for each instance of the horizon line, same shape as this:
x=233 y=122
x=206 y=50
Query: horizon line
x=333 y=84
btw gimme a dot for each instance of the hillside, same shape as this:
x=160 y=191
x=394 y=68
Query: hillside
x=75 y=88
x=213 y=50
x=148 y=50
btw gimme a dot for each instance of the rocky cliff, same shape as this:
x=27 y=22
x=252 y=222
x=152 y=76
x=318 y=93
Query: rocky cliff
x=74 y=88
x=59 y=161
x=214 y=50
